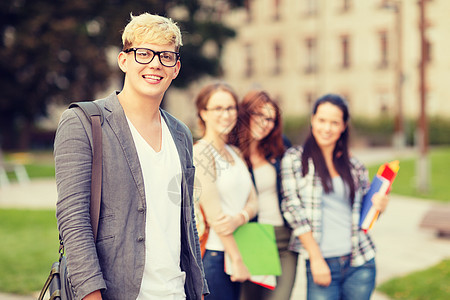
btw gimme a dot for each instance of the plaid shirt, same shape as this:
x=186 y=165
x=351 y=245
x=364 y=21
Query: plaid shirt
x=302 y=204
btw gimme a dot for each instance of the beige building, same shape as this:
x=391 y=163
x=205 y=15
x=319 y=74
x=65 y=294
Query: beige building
x=300 y=49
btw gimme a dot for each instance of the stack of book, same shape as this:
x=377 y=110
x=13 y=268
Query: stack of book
x=381 y=183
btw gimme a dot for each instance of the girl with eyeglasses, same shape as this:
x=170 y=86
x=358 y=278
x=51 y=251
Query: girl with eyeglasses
x=258 y=134
x=227 y=196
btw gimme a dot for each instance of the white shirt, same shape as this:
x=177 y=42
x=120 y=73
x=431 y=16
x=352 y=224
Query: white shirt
x=163 y=278
x=234 y=184
x=268 y=205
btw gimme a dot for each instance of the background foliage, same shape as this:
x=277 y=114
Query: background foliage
x=54 y=51
x=375 y=132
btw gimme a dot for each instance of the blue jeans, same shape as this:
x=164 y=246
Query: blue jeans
x=219 y=283
x=347 y=282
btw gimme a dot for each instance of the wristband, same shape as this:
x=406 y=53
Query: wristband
x=244 y=213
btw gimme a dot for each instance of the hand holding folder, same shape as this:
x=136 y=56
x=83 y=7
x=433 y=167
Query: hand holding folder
x=258 y=248
x=381 y=183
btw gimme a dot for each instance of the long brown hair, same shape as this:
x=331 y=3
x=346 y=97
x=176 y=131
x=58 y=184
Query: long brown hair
x=270 y=146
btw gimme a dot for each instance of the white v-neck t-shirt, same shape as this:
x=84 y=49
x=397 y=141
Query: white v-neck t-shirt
x=163 y=278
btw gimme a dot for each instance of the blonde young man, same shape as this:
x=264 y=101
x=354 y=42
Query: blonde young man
x=147 y=245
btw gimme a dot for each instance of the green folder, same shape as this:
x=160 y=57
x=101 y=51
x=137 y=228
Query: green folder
x=258 y=248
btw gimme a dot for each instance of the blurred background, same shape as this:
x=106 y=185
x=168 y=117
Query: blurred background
x=389 y=59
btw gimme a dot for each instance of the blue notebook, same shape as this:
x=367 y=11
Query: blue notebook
x=379 y=184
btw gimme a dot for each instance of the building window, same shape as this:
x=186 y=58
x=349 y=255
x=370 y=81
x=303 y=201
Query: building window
x=384 y=3
x=277 y=59
x=311 y=55
x=311 y=7
x=277 y=10
x=428 y=52
x=346 y=96
x=383 y=46
x=278 y=99
x=248 y=10
x=383 y=100
x=310 y=100
x=345 y=52
x=346 y=5
x=249 y=60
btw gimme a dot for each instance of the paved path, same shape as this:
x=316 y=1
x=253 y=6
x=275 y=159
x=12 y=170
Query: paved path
x=403 y=247
x=37 y=194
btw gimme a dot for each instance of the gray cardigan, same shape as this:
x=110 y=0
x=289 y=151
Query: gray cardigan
x=115 y=263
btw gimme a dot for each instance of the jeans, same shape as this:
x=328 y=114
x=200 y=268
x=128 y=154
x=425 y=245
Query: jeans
x=347 y=282
x=219 y=283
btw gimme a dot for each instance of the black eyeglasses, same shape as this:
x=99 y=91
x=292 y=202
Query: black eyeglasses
x=262 y=118
x=145 y=56
x=219 y=110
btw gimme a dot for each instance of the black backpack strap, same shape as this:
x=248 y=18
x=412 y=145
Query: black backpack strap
x=95 y=115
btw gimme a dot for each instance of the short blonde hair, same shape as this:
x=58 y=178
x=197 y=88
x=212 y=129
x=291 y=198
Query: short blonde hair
x=153 y=29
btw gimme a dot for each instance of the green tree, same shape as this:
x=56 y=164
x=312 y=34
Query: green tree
x=55 y=51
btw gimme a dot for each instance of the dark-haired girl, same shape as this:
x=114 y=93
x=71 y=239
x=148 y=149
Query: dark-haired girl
x=322 y=191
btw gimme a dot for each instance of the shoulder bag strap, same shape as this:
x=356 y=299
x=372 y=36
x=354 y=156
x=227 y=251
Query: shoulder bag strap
x=94 y=114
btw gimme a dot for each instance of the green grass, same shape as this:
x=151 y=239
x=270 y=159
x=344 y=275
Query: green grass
x=29 y=238
x=405 y=182
x=36 y=170
x=38 y=164
x=429 y=284
x=28 y=247
x=432 y=283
